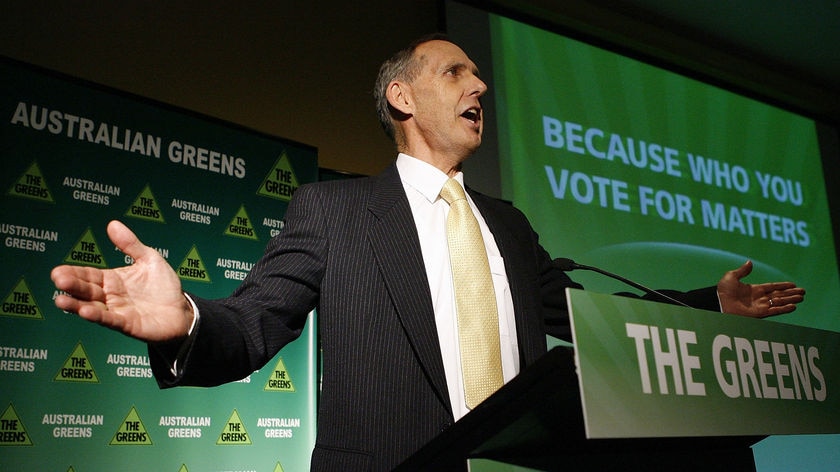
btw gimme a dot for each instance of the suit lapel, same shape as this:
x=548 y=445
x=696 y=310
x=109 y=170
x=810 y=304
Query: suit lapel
x=394 y=241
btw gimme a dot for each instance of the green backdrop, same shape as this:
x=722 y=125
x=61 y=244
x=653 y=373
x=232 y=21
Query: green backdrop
x=207 y=195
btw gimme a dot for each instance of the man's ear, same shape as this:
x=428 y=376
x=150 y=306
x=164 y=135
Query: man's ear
x=399 y=97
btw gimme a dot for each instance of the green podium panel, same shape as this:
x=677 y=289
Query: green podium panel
x=652 y=370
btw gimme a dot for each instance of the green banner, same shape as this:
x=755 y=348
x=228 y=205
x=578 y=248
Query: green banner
x=655 y=370
x=207 y=196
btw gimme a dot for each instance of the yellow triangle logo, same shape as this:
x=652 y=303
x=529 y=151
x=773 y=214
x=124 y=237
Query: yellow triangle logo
x=86 y=252
x=145 y=207
x=71 y=469
x=192 y=268
x=131 y=432
x=12 y=430
x=240 y=226
x=234 y=432
x=77 y=368
x=183 y=468
x=32 y=185
x=20 y=303
x=278 y=468
x=281 y=182
x=279 y=381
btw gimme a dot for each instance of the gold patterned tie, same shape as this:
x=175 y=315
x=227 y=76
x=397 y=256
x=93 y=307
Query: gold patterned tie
x=475 y=299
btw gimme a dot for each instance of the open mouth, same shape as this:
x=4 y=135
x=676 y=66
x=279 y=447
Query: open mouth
x=472 y=114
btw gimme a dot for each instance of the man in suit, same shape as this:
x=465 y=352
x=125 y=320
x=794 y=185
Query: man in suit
x=371 y=255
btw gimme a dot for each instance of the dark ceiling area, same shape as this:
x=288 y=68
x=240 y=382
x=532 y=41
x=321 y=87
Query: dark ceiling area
x=783 y=51
x=801 y=38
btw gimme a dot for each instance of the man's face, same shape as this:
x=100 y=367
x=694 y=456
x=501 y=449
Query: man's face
x=446 y=91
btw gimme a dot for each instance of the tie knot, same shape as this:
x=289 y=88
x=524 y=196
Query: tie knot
x=452 y=191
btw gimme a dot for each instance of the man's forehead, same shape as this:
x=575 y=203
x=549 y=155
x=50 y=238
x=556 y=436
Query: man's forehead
x=439 y=53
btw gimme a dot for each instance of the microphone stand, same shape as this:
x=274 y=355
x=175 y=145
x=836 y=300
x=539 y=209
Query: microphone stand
x=568 y=265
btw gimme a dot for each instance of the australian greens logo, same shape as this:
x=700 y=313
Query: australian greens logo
x=281 y=182
x=280 y=380
x=32 y=185
x=21 y=303
x=12 y=430
x=131 y=432
x=86 y=252
x=193 y=268
x=77 y=368
x=145 y=207
x=234 y=432
x=240 y=226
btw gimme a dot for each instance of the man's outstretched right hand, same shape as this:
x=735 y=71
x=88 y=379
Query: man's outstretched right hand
x=144 y=300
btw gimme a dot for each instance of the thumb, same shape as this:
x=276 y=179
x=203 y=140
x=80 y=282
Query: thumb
x=743 y=271
x=127 y=241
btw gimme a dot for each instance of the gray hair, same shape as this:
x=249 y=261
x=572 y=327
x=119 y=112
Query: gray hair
x=401 y=66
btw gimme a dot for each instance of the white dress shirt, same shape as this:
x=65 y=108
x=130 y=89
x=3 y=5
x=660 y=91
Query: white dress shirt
x=422 y=183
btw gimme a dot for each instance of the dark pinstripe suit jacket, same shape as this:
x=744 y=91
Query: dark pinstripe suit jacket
x=350 y=248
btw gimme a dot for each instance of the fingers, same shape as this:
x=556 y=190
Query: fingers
x=80 y=282
x=85 y=295
x=788 y=300
x=780 y=302
x=83 y=286
x=67 y=303
x=89 y=310
x=780 y=308
x=782 y=291
x=771 y=287
x=785 y=300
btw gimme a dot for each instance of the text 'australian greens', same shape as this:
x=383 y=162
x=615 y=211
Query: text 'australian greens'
x=85 y=129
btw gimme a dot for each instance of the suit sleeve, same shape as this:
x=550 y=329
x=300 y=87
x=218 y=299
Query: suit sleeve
x=239 y=334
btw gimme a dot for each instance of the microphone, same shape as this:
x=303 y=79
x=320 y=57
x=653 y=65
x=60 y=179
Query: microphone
x=568 y=265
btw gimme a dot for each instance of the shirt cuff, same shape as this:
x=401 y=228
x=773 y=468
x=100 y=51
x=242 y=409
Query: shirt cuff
x=180 y=358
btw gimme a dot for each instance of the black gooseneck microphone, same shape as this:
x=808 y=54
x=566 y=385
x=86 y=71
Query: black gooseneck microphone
x=568 y=265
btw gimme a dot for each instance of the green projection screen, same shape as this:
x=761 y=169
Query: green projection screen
x=650 y=174
x=658 y=177
x=630 y=167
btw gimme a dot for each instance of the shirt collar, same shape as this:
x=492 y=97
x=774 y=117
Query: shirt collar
x=427 y=179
